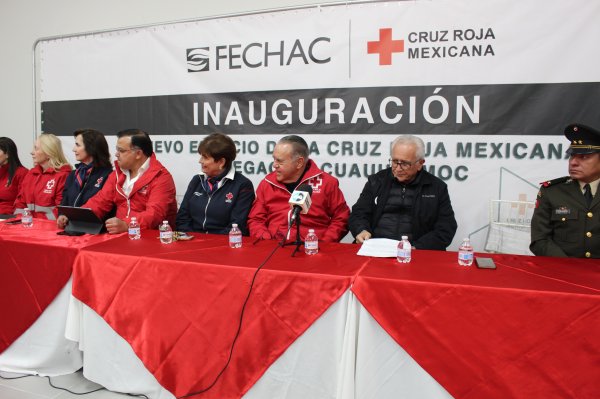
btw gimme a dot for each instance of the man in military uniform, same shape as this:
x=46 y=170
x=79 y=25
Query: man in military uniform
x=566 y=220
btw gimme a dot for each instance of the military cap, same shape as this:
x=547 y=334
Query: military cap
x=584 y=139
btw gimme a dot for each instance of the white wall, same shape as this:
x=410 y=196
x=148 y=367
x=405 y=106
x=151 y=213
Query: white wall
x=22 y=22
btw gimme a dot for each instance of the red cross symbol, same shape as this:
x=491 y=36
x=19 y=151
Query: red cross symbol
x=316 y=183
x=385 y=46
x=522 y=207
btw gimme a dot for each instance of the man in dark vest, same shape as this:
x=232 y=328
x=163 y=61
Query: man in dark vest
x=405 y=199
x=566 y=220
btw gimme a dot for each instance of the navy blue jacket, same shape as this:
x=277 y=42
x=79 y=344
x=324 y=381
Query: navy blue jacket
x=73 y=196
x=214 y=213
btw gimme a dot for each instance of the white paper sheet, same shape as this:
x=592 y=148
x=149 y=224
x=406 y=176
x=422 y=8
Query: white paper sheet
x=379 y=247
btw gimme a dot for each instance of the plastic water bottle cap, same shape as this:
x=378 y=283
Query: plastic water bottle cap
x=234 y=225
x=405 y=237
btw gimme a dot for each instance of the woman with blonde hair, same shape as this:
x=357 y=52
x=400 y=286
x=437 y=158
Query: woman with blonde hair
x=42 y=188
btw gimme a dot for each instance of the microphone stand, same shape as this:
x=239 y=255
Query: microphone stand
x=298 y=241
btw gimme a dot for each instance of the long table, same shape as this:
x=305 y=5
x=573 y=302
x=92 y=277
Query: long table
x=529 y=328
x=160 y=320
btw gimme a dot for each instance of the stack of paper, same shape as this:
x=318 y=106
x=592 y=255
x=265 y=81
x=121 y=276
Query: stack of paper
x=379 y=247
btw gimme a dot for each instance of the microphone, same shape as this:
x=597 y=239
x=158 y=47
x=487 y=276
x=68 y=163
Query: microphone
x=300 y=201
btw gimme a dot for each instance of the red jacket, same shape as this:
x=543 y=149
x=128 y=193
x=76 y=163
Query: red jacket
x=8 y=194
x=152 y=198
x=328 y=214
x=41 y=191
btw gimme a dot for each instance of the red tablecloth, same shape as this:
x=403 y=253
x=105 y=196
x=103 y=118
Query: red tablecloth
x=179 y=305
x=35 y=266
x=530 y=329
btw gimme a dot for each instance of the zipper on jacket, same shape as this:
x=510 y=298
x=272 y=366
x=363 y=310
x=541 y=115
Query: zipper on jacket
x=80 y=192
x=208 y=203
x=205 y=212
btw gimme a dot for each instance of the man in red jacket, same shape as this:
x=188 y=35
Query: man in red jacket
x=140 y=186
x=328 y=214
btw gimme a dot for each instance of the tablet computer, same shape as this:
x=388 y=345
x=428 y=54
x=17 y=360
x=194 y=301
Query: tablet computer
x=81 y=220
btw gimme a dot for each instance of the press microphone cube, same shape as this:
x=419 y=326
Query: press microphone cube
x=301 y=199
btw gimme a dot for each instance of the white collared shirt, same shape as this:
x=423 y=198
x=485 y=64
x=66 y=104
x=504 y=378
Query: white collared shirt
x=229 y=176
x=129 y=182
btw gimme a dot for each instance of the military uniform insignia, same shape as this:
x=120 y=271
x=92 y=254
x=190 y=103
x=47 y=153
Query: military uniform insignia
x=548 y=183
x=563 y=210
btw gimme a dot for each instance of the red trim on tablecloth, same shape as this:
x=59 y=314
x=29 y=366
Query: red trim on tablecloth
x=529 y=329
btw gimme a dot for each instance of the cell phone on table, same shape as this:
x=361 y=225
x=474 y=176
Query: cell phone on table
x=485 y=263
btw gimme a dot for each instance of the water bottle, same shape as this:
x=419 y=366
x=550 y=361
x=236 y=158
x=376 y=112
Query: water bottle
x=404 y=250
x=311 y=243
x=235 y=236
x=134 y=229
x=166 y=234
x=27 y=218
x=465 y=253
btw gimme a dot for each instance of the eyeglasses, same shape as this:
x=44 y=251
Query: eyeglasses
x=402 y=164
x=122 y=151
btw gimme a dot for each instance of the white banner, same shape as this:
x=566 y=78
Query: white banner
x=489 y=85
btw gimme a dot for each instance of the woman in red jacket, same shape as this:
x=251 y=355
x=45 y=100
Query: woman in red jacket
x=42 y=188
x=11 y=175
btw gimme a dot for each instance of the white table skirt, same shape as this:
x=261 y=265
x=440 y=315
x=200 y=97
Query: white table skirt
x=345 y=354
x=43 y=348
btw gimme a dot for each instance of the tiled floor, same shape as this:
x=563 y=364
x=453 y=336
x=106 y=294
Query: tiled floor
x=34 y=387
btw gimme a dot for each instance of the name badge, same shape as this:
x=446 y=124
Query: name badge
x=563 y=210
